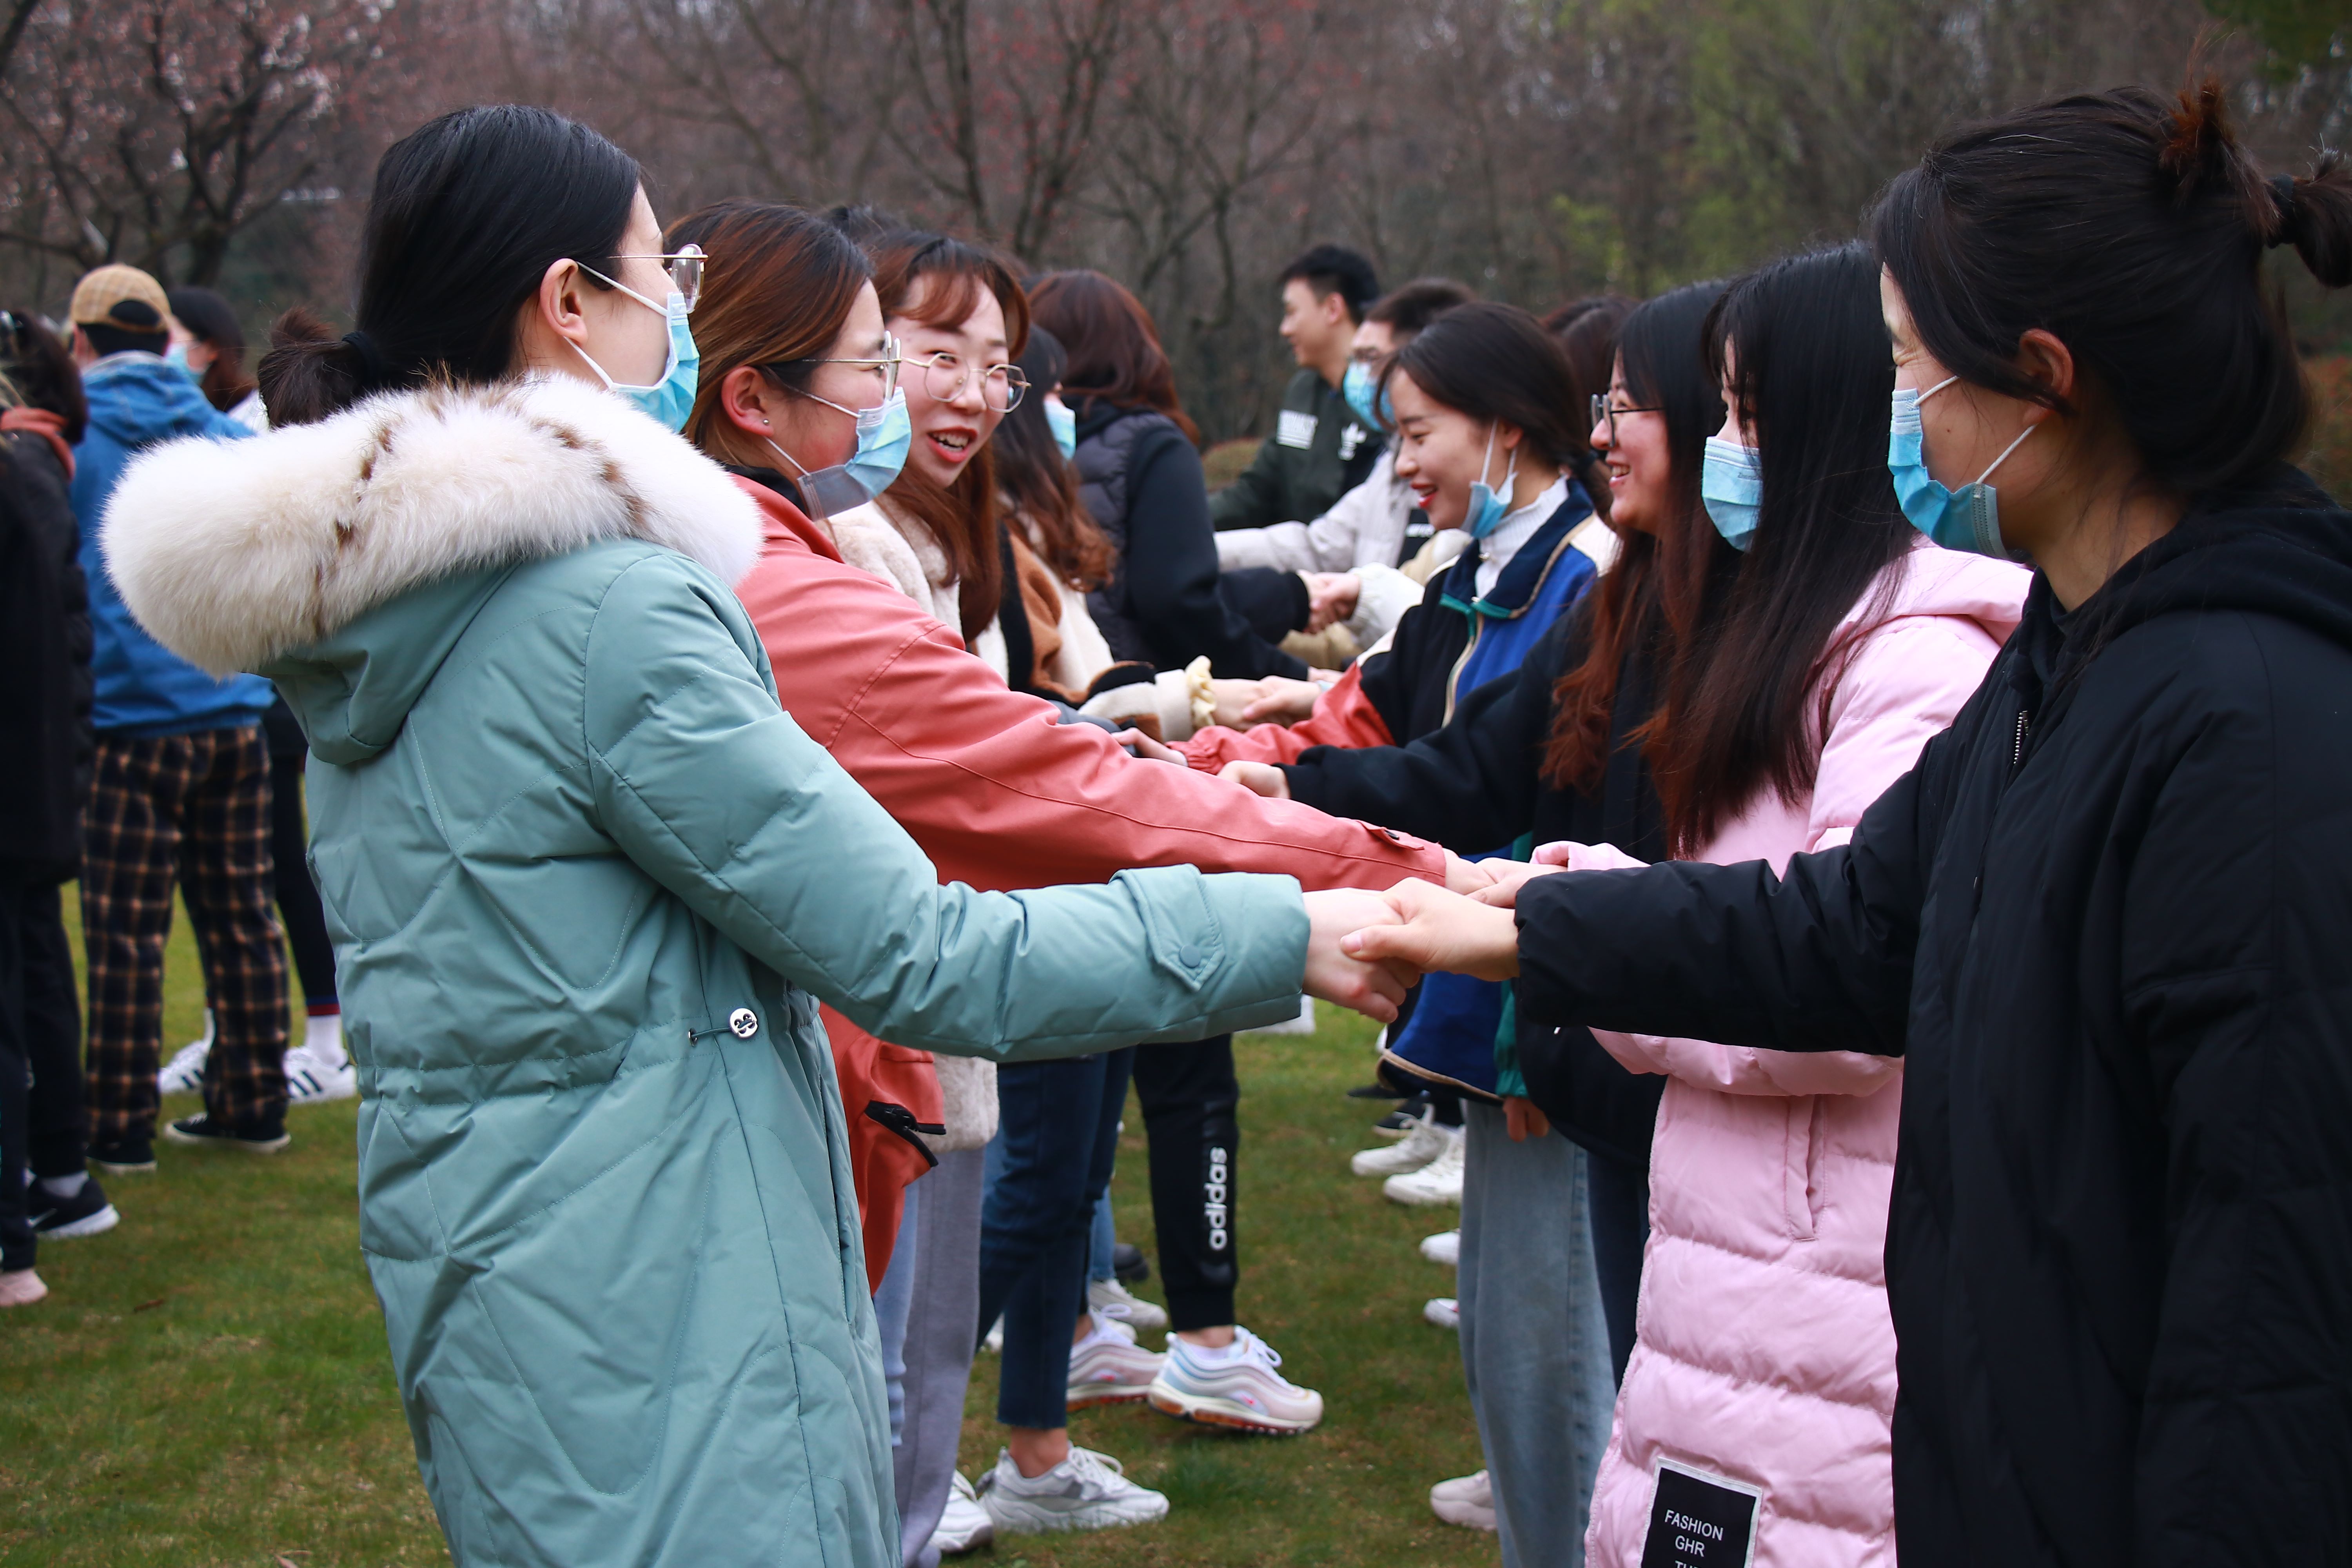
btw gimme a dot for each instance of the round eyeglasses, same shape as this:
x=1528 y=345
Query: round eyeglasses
x=1001 y=385
x=1605 y=413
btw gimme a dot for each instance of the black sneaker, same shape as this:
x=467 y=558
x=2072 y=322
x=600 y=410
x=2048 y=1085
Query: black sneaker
x=1401 y=1120
x=204 y=1132
x=1127 y=1264
x=1374 y=1091
x=87 y=1213
x=125 y=1156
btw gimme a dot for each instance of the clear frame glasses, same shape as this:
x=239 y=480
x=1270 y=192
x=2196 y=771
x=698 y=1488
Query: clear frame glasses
x=1001 y=386
x=887 y=363
x=1605 y=413
x=683 y=267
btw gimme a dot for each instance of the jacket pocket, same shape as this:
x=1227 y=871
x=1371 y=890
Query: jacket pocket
x=1800 y=1165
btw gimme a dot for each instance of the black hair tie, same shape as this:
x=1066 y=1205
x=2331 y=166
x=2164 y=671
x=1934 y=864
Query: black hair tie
x=372 y=368
x=2283 y=193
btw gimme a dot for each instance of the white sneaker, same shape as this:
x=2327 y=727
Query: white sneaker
x=1445 y=1247
x=1423 y=1142
x=1236 y=1387
x=184 y=1073
x=1085 y=1492
x=1445 y=1312
x=964 y=1526
x=993 y=1341
x=1465 y=1501
x=312 y=1081
x=1140 y=1315
x=1435 y=1185
x=1107 y=1367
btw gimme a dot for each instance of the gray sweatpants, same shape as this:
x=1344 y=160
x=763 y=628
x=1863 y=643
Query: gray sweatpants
x=943 y=1301
x=1534 y=1345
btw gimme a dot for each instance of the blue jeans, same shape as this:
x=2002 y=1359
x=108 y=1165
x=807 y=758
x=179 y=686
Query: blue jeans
x=1057 y=1135
x=1535 y=1342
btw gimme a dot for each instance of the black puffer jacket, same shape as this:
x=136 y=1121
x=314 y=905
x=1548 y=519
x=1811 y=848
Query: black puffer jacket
x=1478 y=781
x=2106 y=920
x=1141 y=480
x=45 y=698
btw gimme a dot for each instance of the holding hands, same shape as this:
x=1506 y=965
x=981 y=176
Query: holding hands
x=1366 y=985
x=1331 y=596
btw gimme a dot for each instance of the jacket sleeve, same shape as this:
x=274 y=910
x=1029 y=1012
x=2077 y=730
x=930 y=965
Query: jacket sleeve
x=1470 y=785
x=1284 y=546
x=1343 y=716
x=1255 y=499
x=1171 y=570
x=1332 y=542
x=1817 y=960
x=716 y=793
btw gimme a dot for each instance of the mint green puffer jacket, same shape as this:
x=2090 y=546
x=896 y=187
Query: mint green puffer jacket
x=588 y=883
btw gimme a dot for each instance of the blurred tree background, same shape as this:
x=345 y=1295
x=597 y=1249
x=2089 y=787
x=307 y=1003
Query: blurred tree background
x=1537 y=149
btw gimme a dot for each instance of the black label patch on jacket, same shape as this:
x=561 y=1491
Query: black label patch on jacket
x=1699 y=1521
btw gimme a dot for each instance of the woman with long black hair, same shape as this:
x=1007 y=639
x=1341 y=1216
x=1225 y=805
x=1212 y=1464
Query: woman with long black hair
x=2103 y=920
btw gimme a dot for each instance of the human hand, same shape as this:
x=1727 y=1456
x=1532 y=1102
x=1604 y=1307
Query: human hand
x=1502 y=889
x=1467 y=877
x=1233 y=698
x=1441 y=932
x=1143 y=745
x=1281 y=700
x=1331 y=596
x=1522 y=1119
x=1374 y=989
x=1258 y=778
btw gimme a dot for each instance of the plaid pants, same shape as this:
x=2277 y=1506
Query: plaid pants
x=192 y=809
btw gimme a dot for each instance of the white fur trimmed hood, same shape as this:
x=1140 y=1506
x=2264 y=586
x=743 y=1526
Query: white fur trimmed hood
x=234 y=553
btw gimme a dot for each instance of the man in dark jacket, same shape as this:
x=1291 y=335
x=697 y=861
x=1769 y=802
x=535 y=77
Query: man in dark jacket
x=1319 y=450
x=2104 y=922
x=181 y=788
x=44 y=734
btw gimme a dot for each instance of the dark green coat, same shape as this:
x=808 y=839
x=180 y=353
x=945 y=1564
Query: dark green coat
x=1317 y=453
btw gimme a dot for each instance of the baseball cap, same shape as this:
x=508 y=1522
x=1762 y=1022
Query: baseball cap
x=123 y=298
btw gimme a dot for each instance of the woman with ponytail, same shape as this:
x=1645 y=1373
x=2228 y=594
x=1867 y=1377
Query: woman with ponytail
x=2102 y=921
x=588 y=881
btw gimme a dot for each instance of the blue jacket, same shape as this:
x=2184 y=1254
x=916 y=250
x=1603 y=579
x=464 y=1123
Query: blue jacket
x=143 y=688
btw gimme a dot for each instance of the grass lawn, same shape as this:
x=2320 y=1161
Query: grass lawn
x=207 y=1385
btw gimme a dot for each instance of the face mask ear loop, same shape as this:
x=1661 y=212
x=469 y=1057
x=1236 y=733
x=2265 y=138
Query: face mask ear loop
x=797 y=471
x=1486 y=460
x=2012 y=447
x=1933 y=390
x=610 y=384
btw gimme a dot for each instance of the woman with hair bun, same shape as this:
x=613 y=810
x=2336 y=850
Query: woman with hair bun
x=2103 y=920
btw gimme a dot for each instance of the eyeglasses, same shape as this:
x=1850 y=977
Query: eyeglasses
x=890 y=359
x=1605 y=413
x=1001 y=385
x=683 y=267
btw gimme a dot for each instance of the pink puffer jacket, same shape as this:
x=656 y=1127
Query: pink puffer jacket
x=1766 y=1355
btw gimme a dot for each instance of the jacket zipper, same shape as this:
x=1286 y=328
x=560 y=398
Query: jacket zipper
x=2017 y=750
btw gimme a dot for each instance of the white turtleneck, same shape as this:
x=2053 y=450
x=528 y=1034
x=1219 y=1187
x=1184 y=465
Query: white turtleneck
x=1515 y=529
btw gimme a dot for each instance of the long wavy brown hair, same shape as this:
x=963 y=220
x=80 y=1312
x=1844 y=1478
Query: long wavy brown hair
x=1113 y=344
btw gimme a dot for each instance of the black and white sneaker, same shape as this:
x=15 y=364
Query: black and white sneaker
x=204 y=1132
x=87 y=1213
x=125 y=1157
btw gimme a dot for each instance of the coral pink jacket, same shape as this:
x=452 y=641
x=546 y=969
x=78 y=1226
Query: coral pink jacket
x=1764 y=1353
x=999 y=796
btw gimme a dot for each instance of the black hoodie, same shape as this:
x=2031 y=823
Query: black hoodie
x=2108 y=920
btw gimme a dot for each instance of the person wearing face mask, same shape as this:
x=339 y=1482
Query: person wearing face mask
x=1000 y=796
x=1374 y=528
x=1322 y=447
x=589 y=881
x=209 y=344
x=2100 y=921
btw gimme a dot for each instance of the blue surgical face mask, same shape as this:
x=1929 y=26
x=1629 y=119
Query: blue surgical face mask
x=670 y=398
x=1968 y=518
x=884 y=435
x=1731 y=484
x=1356 y=384
x=176 y=356
x=1487 y=509
x=1063 y=421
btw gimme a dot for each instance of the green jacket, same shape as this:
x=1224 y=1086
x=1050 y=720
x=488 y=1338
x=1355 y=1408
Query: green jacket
x=588 y=883
x=1317 y=453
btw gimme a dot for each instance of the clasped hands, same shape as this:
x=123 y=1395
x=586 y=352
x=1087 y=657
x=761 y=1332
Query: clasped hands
x=1466 y=927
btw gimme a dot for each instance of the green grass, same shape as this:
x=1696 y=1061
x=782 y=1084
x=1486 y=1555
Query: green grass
x=209 y=1384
